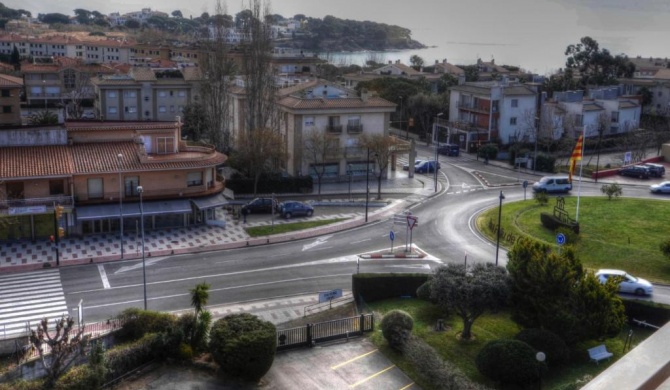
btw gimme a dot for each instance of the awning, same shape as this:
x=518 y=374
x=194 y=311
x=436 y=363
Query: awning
x=209 y=202
x=107 y=211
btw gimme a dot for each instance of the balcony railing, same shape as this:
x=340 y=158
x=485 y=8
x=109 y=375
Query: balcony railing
x=63 y=200
x=472 y=107
x=150 y=194
x=351 y=129
x=334 y=128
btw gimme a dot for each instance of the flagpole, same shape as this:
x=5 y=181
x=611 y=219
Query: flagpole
x=581 y=167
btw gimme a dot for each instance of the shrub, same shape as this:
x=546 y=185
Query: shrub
x=554 y=347
x=243 y=345
x=128 y=356
x=541 y=197
x=185 y=352
x=509 y=362
x=397 y=328
x=611 y=190
x=489 y=151
x=570 y=236
x=138 y=322
x=423 y=292
x=81 y=377
x=23 y=385
x=545 y=163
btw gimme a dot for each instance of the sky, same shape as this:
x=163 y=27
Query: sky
x=532 y=34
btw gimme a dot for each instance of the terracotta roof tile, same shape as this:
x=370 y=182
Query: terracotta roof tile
x=35 y=161
x=10 y=81
x=337 y=103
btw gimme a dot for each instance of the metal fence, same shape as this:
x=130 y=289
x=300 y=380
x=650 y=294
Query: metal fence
x=310 y=334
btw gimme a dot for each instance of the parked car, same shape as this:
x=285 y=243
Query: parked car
x=427 y=166
x=449 y=150
x=405 y=167
x=260 y=205
x=553 y=184
x=635 y=171
x=660 y=188
x=294 y=209
x=655 y=170
x=627 y=283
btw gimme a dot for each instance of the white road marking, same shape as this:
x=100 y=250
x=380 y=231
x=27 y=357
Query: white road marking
x=139 y=265
x=319 y=241
x=103 y=276
x=367 y=239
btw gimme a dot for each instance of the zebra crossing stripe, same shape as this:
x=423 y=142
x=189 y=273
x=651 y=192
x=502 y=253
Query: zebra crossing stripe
x=25 y=299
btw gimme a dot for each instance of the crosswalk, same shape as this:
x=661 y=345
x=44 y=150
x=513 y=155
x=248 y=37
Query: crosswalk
x=27 y=298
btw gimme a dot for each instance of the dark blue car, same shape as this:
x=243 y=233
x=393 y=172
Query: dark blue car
x=427 y=167
x=295 y=209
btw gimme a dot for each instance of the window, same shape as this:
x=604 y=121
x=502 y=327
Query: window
x=171 y=93
x=194 y=179
x=615 y=116
x=171 y=108
x=515 y=102
x=512 y=121
x=112 y=110
x=182 y=93
x=308 y=121
x=129 y=94
x=95 y=189
x=111 y=94
x=130 y=184
x=131 y=109
x=69 y=79
x=165 y=145
x=162 y=109
x=6 y=93
x=6 y=109
x=162 y=94
x=56 y=187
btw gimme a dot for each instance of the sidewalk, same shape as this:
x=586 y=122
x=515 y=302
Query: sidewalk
x=25 y=255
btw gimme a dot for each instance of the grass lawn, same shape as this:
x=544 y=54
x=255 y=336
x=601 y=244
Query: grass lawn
x=486 y=328
x=620 y=233
x=259 y=231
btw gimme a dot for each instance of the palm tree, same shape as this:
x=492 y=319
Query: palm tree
x=199 y=297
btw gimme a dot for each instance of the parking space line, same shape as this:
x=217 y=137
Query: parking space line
x=408 y=386
x=372 y=376
x=352 y=360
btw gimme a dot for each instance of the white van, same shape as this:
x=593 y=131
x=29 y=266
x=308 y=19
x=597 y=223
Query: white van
x=553 y=184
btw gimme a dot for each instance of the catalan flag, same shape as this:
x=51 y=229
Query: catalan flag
x=577 y=153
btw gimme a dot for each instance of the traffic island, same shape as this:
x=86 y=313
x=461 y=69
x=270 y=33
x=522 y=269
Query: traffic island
x=399 y=253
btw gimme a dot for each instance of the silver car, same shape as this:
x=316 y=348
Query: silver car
x=660 y=188
x=628 y=283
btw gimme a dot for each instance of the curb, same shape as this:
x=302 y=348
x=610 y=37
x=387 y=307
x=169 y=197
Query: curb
x=393 y=256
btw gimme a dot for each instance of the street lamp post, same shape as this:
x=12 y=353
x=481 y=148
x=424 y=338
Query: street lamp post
x=437 y=163
x=140 y=190
x=367 y=185
x=350 y=173
x=537 y=133
x=437 y=131
x=540 y=356
x=501 y=197
x=119 y=160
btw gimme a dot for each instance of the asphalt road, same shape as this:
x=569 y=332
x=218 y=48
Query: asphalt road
x=446 y=232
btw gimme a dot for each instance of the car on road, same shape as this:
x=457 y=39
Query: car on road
x=260 y=205
x=627 y=283
x=635 y=171
x=293 y=208
x=660 y=188
x=655 y=170
x=553 y=184
x=405 y=167
x=427 y=166
x=449 y=150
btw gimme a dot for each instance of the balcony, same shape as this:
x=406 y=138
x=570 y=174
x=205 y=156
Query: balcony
x=334 y=128
x=33 y=205
x=211 y=188
x=354 y=129
x=474 y=108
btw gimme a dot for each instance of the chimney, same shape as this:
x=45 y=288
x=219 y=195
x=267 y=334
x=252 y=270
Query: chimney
x=364 y=95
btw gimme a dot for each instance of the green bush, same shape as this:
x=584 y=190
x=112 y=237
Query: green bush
x=423 y=292
x=138 y=322
x=185 y=352
x=243 y=345
x=555 y=349
x=488 y=150
x=397 y=327
x=23 y=385
x=81 y=377
x=509 y=362
x=545 y=163
x=127 y=357
x=611 y=190
x=541 y=197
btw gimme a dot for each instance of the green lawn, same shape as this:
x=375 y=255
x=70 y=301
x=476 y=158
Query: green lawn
x=619 y=233
x=486 y=328
x=259 y=231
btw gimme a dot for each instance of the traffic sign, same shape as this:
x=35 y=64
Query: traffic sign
x=525 y=184
x=330 y=295
x=560 y=238
x=392 y=235
x=412 y=221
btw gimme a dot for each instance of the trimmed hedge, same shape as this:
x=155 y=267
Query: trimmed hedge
x=509 y=362
x=138 y=322
x=81 y=377
x=376 y=287
x=554 y=347
x=397 y=327
x=243 y=345
x=653 y=313
x=126 y=357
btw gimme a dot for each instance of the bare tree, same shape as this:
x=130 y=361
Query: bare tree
x=602 y=124
x=318 y=148
x=259 y=152
x=64 y=342
x=218 y=70
x=77 y=85
x=380 y=147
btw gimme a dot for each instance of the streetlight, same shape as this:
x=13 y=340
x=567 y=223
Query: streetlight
x=437 y=163
x=140 y=190
x=437 y=131
x=501 y=197
x=540 y=356
x=537 y=133
x=119 y=159
x=350 y=173
x=367 y=185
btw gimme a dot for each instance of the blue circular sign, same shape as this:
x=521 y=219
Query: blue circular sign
x=392 y=235
x=560 y=238
x=525 y=183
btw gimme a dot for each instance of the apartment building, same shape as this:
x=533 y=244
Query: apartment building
x=87 y=167
x=10 y=100
x=153 y=94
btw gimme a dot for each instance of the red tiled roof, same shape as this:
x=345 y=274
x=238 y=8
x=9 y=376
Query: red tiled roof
x=336 y=103
x=10 y=81
x=121 y=125
x=18 y=162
